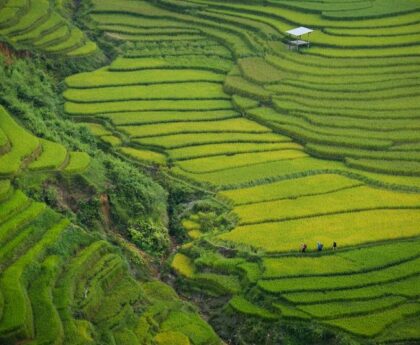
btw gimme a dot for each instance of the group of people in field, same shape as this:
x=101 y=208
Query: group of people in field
x=319 y=247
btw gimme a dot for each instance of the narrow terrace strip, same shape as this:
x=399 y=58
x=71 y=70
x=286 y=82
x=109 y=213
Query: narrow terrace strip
x=348 y=229
x=290 y=189
x=224 y=162
x=189 y=140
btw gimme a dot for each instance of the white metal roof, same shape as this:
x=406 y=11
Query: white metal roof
x=299 y=31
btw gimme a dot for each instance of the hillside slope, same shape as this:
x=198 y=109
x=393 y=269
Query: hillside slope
x=261 y=149
x=61 y=284
x=68 y=275
x=41 y=25
x=317 y=146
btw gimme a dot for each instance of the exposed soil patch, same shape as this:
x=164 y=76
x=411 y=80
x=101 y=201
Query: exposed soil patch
x=10 y=54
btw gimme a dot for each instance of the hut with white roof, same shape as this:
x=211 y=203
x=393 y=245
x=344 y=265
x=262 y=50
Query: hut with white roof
x=297 y=40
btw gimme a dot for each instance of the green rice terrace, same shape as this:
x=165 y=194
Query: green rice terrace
x=173 y=172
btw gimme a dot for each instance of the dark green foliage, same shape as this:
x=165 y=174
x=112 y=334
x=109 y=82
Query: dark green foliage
x=246 y=330
x=212 y=215
x=50 y=195
x=134 y=191
x=138 y=204
x=180 y=195
x=153 y=238
x=59 y=294
x=98 y=300
x=88 y=212
x=30 y=93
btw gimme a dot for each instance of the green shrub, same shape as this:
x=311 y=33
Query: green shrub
x=134 y=196
x=149 y=236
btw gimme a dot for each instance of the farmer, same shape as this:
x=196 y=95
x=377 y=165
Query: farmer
x=334 y=245
x=320 y=246
x=303 y=248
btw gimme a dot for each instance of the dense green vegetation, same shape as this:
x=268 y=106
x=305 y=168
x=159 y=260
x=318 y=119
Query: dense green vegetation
x=359 y=110
x=69 y=274
x=186 y=132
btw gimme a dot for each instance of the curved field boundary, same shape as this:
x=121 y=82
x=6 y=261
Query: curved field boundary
x=39 y=25
x=374 y=85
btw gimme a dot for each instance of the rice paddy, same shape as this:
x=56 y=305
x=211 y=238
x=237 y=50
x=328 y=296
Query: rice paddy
x=27 y=152
x=316 y=146
x=53 y=271
x=38 y=25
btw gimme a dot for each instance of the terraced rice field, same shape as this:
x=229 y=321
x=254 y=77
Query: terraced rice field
x=41 y=25
x=23 y=151
x=70 y=269
x=61 y=284
x=315 y=146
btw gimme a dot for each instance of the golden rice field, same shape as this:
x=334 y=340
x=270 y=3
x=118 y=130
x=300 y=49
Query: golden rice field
x=314 y=146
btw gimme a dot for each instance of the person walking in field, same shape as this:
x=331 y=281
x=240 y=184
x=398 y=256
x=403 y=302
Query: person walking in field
x=303 y=248
x=320 y=246
x=334 y=246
